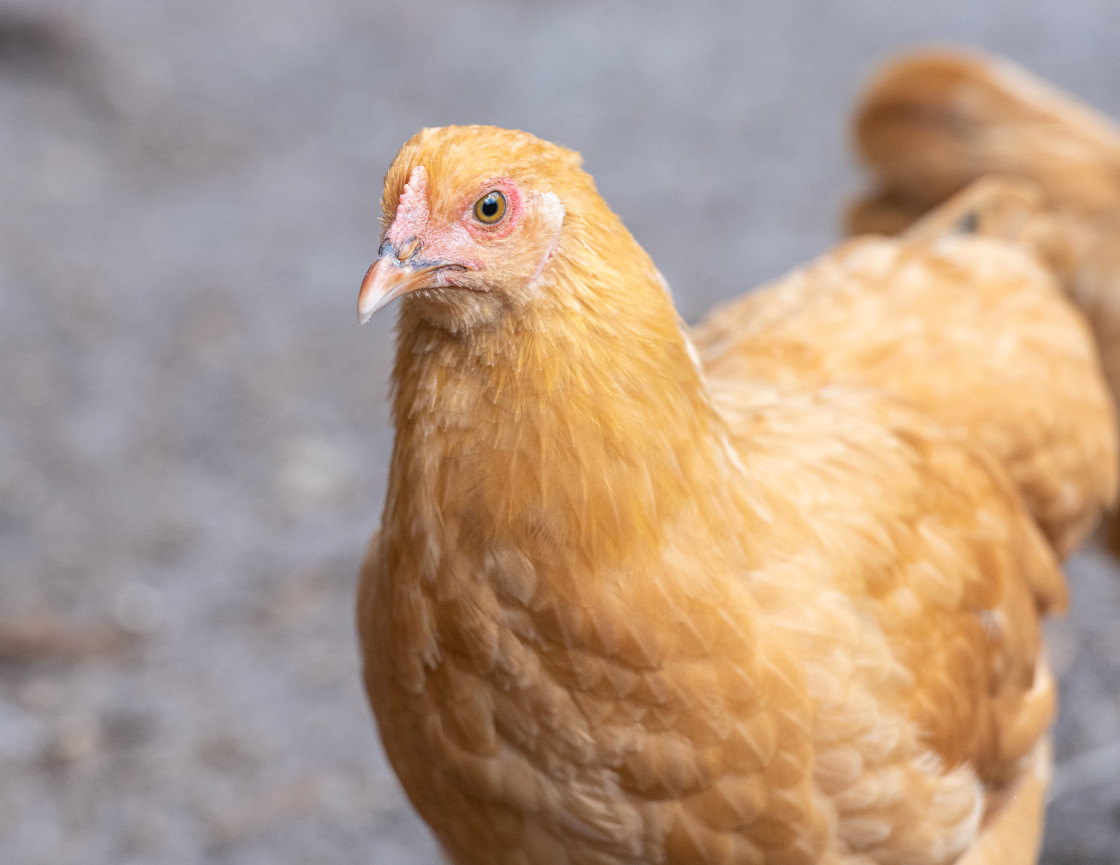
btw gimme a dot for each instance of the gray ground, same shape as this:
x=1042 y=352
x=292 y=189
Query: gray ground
x=193 y=434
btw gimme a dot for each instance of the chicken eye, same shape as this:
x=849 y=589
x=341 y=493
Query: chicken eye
x=490 y=208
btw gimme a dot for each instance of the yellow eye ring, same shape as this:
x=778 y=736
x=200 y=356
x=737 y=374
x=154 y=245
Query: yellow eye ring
x=490 y=209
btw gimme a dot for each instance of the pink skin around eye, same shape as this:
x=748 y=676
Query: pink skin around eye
x=507 y=222
x=458 y=242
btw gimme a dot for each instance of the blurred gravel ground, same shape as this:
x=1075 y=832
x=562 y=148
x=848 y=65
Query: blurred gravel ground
x=193 y=434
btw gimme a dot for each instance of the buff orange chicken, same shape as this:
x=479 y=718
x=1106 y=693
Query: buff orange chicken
x=767 y=590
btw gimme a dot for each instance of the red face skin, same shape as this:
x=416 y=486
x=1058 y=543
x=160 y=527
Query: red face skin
x=412 y=218
x=418 y=252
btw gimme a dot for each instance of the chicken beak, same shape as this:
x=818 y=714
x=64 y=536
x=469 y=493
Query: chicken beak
x=387 y=279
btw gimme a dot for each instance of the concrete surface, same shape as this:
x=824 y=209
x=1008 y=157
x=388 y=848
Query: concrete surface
x=193 y=433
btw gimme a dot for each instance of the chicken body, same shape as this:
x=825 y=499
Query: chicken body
x=1001 y=361
x=772 y=598
x=933 y=122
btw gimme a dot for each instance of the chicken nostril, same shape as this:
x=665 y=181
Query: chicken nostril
x=408 y=249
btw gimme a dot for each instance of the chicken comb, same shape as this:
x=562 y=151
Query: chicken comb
x=413 y=206
x=412 y=210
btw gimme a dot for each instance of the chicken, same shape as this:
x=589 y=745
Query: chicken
x=765 y=591
x=932 y=122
